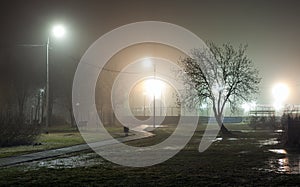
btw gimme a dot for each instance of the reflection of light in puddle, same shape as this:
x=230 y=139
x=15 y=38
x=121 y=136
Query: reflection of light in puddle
x=278 y=151
x=289 y=164
x=246 y=131
x=211 y=139
x=272 y=141
x=219 y=139
x=232 y=139
x=284 y=165
x=244 y=152
x=279 y=131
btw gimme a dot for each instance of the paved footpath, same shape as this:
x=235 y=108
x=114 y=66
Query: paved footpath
x=66 y=150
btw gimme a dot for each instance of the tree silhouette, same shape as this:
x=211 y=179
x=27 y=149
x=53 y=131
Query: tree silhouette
x=220 y=74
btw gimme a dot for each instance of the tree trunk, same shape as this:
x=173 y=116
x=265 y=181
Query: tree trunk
x=72 y=119
x=224 y=130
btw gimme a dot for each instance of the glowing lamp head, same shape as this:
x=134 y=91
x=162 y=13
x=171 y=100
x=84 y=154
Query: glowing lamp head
x=153 y=87
x=280 y=92
x=58 y=31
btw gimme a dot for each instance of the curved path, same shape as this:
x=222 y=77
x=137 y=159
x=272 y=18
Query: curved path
x=138 y=134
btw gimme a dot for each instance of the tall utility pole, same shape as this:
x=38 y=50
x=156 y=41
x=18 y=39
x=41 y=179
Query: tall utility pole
x=58 y=31
x=154 y=97
x=47 y=85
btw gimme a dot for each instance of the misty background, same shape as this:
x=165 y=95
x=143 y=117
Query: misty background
x=270 y=28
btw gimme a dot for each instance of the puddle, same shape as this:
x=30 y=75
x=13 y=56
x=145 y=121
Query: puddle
x=272 y=141
x=210 y=139
x=244 y=152
x=287 y=165
x=213 y=140
x=84 y=160
x=247 y=131
x=232 y=139
x=290 y=164
x=279 y=131
x=278 y=151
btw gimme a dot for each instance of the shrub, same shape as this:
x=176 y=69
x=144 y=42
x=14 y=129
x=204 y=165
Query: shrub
x=291 y=127
x=14 y=130
x=263 y=122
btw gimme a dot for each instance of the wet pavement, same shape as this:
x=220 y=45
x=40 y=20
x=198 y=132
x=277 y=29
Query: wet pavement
x=288 y=164
x=67 y=150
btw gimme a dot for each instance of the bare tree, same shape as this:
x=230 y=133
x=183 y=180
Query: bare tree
x=221 y=74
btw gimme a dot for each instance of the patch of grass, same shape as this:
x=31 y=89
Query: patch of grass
x=48 y=141
x=62 y=128
x=58 y=137
x=228 y=162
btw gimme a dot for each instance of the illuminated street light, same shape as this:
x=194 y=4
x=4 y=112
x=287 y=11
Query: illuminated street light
x=153 y=87
x=58 y=31
x=280 y=92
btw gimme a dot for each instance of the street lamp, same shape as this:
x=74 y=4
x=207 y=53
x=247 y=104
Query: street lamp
x=153 y=88
x=144 y=94
x=58 y=31
x=280 y=92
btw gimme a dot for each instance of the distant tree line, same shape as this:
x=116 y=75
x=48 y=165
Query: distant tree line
x=22 y=93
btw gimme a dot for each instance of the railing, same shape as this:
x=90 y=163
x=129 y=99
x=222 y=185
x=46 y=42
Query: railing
x=159 y=111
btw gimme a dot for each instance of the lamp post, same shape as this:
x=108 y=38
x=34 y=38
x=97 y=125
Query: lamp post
x=40 y=108
x=47 y=84
x=58 y=31
x=154 y=120
x=153 y=88
x=144 y=105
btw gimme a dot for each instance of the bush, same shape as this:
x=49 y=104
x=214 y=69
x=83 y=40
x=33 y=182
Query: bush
x=263 y=122
x=14 y=130
x=291 y=127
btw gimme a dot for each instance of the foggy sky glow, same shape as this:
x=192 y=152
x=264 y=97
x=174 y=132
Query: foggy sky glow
x=271 y=28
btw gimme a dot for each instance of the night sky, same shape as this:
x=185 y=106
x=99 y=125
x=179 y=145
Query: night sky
x=270 y=28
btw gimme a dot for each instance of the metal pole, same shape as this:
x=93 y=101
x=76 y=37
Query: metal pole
x=160 y=106
x=42 y=108
x=154 y=97
x=144 y=105
x=47 y=86
x=154 y=111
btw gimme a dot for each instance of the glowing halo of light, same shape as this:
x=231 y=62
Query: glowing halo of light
x=84 y=84
x=153 y=87
x=280 y=91
x=58 y=31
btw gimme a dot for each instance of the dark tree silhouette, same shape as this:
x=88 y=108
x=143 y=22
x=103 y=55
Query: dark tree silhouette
x=221 y=74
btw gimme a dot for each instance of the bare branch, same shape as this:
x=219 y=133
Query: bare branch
x=222 y=74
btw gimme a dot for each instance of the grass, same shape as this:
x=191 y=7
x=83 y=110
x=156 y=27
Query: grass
x=48 y=141
x=226 y=163
x=58 y=137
